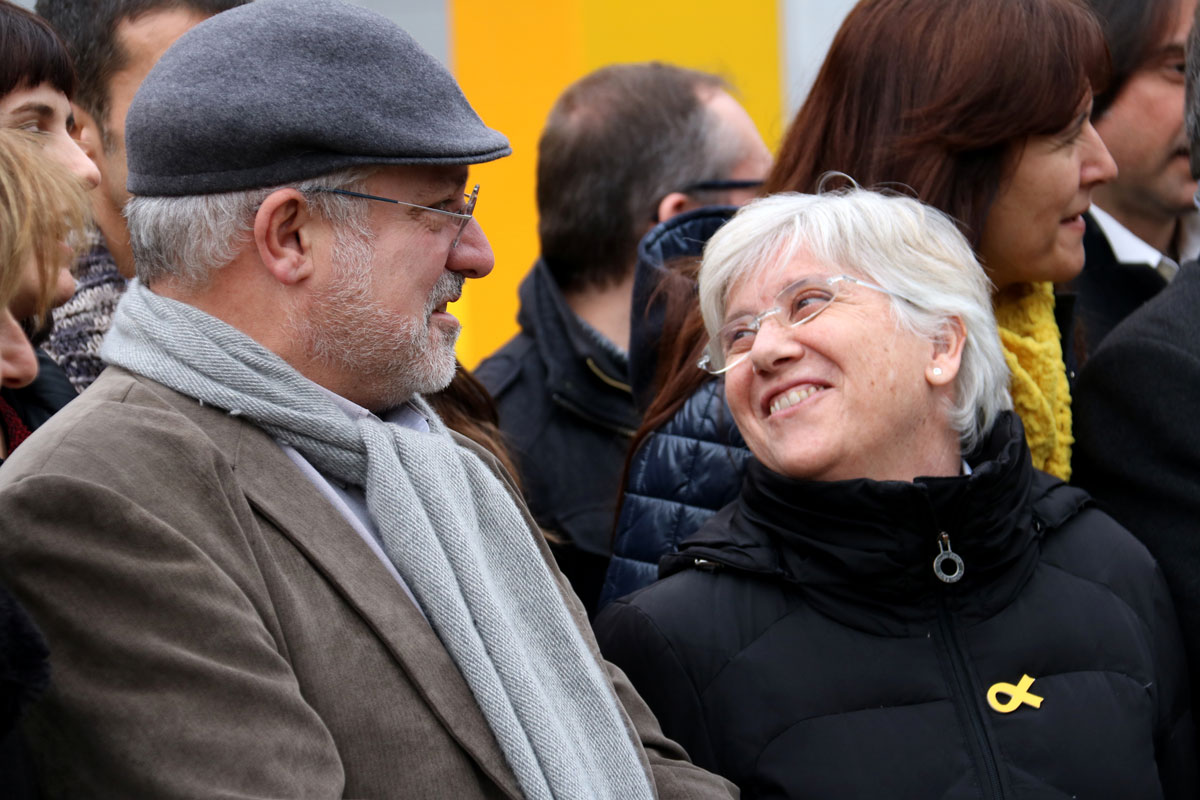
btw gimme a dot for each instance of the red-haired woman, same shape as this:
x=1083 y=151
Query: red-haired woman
x=982 y=110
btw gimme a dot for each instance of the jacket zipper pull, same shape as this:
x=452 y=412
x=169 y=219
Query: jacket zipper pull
x=948 y=566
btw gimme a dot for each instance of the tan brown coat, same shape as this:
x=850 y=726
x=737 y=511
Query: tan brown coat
x=217 y=629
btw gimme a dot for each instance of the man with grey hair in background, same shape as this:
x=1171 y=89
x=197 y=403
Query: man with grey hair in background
x=1137 y=420
x=624 y=148
x=263 y=565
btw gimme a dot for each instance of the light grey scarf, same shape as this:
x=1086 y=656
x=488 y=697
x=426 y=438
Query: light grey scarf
x=447 y=524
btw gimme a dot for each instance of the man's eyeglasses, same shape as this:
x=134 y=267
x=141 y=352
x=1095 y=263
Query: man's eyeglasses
x=464 y=217
x=797 y=304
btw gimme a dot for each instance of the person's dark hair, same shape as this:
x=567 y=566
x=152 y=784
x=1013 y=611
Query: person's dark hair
x=1191 y=107
x=31 y=53
x=466 y=407
x=1133 y=30
x=616 y=142
x=90 y=32
x=940 y=96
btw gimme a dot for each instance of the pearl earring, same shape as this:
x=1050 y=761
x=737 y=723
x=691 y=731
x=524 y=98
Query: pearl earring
x=937 y=370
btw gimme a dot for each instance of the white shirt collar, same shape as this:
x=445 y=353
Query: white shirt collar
x=1189 y=236
x=1129 y=249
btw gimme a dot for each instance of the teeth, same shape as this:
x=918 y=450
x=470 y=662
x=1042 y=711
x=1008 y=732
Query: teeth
x=793 y=397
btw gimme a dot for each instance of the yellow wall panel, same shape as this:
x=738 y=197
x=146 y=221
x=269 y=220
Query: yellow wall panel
x=513 y=60
x=512 y=63
x=741 y=45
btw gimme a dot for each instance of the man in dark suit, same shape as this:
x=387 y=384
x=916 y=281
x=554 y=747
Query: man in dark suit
x=1137 y=438
x=1143 y=224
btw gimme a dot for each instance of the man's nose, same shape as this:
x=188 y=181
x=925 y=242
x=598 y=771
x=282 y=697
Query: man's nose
x=473 y=256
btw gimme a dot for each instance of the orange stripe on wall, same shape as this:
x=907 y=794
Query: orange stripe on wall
x=513 y=60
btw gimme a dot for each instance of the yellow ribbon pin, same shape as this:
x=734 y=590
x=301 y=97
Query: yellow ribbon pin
x=1017 y=695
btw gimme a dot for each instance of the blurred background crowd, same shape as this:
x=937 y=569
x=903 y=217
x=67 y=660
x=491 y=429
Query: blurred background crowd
x=846 y=355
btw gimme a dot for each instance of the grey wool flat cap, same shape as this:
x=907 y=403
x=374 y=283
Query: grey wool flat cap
x=279 y=91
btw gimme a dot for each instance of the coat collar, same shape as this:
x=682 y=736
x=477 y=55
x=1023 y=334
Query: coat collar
x=279 y=492
x=592 y=379
x=862 y=551
x=680 y=238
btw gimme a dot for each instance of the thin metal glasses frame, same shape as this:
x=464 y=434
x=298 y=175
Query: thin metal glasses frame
x=464 y=217
x=707 y=360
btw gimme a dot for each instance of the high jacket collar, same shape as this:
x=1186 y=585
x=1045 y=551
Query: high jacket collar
x=863 y=551
x=681 y=238
x=588 y=376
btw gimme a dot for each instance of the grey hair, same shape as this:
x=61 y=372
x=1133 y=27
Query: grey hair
x=910 y=249
x=188 y=238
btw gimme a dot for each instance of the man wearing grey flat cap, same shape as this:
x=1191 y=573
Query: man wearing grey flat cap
x=263 y=565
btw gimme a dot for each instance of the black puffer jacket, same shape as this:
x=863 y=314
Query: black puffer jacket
x=682 y=474
x=802 y=646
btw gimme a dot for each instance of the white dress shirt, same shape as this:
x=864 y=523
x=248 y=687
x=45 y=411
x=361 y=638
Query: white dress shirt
x=351 y=501
x=1129 y=249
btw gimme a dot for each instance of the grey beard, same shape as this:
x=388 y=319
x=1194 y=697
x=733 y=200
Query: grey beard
x=391 y=353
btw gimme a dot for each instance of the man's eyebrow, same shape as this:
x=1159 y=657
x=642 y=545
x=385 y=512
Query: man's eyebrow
x=449 y=182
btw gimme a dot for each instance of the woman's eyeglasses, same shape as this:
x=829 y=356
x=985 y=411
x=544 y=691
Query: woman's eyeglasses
x=797 y=304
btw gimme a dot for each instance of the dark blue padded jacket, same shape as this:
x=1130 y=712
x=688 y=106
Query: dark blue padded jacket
x=692 y=465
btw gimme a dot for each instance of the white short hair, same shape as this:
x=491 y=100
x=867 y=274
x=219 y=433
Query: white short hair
x=908 y=248
x=190 y=237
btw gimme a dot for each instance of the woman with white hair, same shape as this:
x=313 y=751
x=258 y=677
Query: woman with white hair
x=898 y=604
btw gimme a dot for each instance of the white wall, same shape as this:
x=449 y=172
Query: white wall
x=808 y=27
x=425 y=20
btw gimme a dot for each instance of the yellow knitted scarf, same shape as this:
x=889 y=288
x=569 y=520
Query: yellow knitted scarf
x=1033 y=349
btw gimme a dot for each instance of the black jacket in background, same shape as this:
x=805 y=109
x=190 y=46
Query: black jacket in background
x=40 y=400
x=1137 y=438
x=24 y=675
x=681 y=237
x=24 y=659
x=800 y=644
x=1106 y=292
x=567 y=412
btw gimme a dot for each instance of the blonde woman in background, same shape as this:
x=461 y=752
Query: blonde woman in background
x=43 y=207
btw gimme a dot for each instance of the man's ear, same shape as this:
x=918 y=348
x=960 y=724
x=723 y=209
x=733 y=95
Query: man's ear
x=947 y=353
x=87 y=133
x=674 y=204
x=283 y=235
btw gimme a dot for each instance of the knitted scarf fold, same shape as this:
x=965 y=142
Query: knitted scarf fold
x=448 y=525
x=1040 y=393
x=81 y=322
